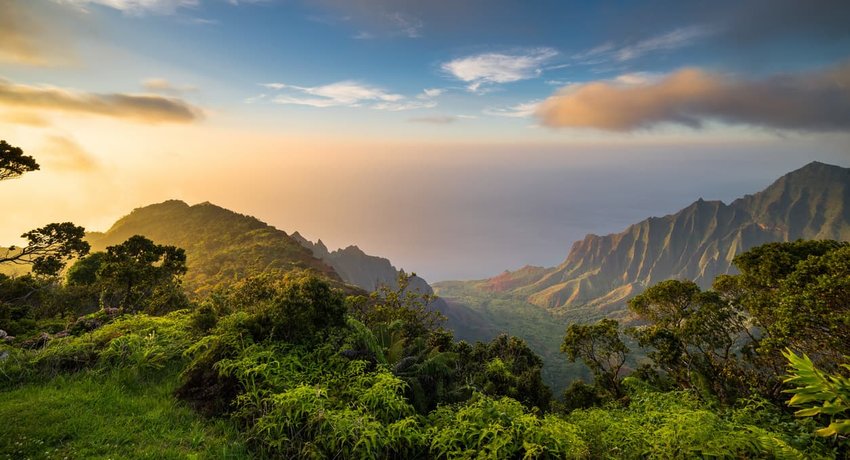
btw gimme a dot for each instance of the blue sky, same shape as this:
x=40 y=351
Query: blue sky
x=490 y=133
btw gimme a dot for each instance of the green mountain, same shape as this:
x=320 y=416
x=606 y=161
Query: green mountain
x=602 y=272
x=698 y=243
x=220 y=244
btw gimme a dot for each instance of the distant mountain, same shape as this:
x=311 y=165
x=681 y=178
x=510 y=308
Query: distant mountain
x=696 y=243
x=353 y=265
x=220 y=244
x=365 y=271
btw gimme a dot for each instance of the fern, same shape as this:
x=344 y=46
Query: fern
x=819 y=393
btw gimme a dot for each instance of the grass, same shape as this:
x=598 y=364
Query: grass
x=116 y=414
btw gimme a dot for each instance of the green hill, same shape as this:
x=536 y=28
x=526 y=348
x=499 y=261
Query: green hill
x=220 y=244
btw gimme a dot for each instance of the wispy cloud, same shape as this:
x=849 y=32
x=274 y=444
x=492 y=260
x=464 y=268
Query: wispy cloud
x=522 y=110
x=64 y=153
x=19 y=117
x=347 y=94
x=493 y=68
x=141 y=107
x=814 y=101
x=672 y=40
x=137 y=6
x=343 y=93
x=435 y=120
x=431 y=93
x=405 y=24
x=161 y=85
x=675 y=39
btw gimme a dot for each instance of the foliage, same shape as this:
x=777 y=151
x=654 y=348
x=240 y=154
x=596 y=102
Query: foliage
x=139 y=272
x=139 y=342
x=13 y=162
x=822 y=395
x=221 y=246
x=796 y=296
x=505 y=366
x=49 y=248
x=674 y=425
x=501 y=428
x=402 y=303
x=694 y=336
x=600 y=347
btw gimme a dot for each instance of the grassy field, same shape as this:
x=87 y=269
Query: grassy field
x=117 y=414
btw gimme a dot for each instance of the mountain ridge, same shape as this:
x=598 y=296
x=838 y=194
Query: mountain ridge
x=220 y=244
x=697 y=242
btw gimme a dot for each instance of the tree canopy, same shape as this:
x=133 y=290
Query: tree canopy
x=49 y=248
x=13 y=162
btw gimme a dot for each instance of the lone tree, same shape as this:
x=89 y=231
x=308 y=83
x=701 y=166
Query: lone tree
x=600 y=347
x=49 y=248
x=140 y=272
x=13 y=162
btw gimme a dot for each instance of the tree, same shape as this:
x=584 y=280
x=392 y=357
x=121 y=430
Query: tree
x=139 y=271
x=406 y=303
x=13 y=162
x=600 y=348
x=796 y=295
x=49 y=248
x=695 y=335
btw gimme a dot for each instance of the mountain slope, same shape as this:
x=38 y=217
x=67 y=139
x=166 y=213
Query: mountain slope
x=220 y=244
x=696 y=243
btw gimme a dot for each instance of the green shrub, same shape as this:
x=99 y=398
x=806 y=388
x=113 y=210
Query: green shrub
x=501 y=428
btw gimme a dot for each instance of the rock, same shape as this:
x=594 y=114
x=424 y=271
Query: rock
x=38 y=341
x=4 y=355
x=3 y=334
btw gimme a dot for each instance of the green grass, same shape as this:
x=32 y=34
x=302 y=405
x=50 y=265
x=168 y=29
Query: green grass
x=117 y=414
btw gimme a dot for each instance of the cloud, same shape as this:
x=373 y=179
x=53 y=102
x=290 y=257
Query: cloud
x=814 y=101
x=347 y=94
x=675 y=39
x=343 y=93
x=406 y=25
x=431 y=92
x=161 y=85
x=63 y=153
x=435 y=120
x=142 y=107
x=525 y=109
x=24 y=118
x=490 y=68
x=27 y=39
x=137 y=7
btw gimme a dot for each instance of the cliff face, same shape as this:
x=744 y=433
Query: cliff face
x=697 y=243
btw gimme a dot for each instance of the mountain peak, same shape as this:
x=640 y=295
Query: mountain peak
x=816 y=168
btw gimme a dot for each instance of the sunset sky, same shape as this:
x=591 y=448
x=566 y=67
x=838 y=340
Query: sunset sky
x=456 y=138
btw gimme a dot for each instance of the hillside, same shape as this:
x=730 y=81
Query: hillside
x=220 y=244
x=698 y=243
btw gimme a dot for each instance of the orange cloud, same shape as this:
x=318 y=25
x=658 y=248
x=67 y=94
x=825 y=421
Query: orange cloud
x=24 y=118
x=816 y=101
x=142 y=107
x=64 y=153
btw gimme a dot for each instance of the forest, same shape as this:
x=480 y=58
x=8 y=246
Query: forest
x=106 y=354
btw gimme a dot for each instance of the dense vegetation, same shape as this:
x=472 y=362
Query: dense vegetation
x=111 y=358
x=282 y=364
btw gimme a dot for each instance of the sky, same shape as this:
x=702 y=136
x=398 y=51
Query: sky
x=457 y=138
